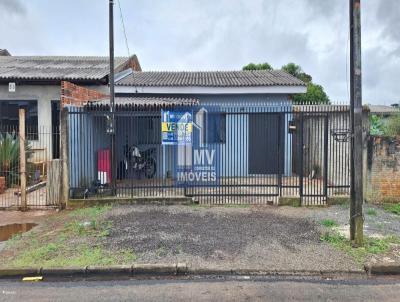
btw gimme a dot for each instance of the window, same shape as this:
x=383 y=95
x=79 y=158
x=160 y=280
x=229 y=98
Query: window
x=9 y=115
x=216 y=128
x=148 y=130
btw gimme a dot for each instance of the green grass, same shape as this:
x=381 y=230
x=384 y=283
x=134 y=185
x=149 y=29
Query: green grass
x=372 y=246
x=77 y=243
x=329 y=223
x=239 y=206
x=345 y=205
x=65 y=255
x=90 y=213
x=371 y=212
x=392 y=208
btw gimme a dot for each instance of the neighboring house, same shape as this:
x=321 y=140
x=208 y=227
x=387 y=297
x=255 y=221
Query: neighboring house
x=246 y=102
x=383 y=110
x=4 y=52
x=33 y=83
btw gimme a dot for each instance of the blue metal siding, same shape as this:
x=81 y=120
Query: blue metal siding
x=235 y=151
x=91 y=137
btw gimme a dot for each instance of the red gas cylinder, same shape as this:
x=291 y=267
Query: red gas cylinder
x=104 y=166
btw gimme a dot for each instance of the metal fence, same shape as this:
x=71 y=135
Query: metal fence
x=41 y=146
x=260 y=154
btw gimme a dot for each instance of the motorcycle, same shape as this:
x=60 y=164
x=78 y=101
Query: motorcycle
x=138 y=161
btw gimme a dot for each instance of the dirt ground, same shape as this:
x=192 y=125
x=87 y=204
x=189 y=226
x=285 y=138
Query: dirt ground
x=261 y=237
x=233 y=237
x=10 y=217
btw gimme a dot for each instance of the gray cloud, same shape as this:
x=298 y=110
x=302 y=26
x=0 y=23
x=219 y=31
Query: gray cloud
x=388 y=15
x=14 y=7
x=219 y=35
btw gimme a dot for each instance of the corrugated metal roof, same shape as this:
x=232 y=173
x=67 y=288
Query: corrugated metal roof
x=243 y=78
x=55 y=67
x=128 y=102
x=383 y=109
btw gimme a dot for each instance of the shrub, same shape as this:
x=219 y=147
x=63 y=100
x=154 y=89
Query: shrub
x=392 y=128
x=393 y=208
x=9 y=157
x=377 y=127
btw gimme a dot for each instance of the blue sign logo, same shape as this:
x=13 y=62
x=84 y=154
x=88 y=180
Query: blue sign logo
x=176 y=127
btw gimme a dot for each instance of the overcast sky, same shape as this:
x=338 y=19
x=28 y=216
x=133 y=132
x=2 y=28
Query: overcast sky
x=218 y=35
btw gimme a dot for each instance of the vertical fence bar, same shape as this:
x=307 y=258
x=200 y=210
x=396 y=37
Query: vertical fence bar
x=326 y=157
x=279 y=151
x=22 y=159
x=301 y=149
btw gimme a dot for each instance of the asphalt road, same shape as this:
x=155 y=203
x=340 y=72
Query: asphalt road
x=269 y=289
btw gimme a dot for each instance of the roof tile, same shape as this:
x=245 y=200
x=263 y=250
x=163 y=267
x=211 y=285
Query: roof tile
x=211 y=78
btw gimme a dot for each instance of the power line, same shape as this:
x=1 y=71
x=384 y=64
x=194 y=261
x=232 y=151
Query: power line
x=123 y=28
x=126 y=39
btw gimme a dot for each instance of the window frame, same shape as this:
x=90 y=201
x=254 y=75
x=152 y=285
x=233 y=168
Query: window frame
x=31 y=122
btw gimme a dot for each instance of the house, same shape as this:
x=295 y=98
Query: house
x=33 y=83
x=246 y=126
x=383 y=110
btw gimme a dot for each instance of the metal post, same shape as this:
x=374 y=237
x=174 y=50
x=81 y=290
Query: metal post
x=280 y=155
x=326 y=150
x=301 y=172
x=22 y=158
x=356 y=218
x=112 y=100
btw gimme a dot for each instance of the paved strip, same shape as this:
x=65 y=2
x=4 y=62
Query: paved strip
x=204 y=290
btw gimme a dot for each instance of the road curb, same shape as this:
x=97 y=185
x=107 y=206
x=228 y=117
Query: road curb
x=163 y=269
x=255 y=272
x=98 y=271
x=383 y=269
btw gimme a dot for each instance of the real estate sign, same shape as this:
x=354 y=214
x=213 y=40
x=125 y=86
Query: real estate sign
x=176 y=127
x=196 y=154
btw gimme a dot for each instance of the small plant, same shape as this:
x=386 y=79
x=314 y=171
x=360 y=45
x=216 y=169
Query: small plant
x=9 y=157
x=371 y=212
x=377 y=127
x=393 y=126
x=392 y=208
x=360 y=254
x=329 y=223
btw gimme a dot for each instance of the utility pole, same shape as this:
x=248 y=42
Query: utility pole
x=357 y=198
x=111 y=129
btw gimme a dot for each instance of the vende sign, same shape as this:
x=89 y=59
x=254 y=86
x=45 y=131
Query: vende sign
x=176 y=127
x=197 y=157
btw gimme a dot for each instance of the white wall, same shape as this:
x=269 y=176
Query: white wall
x=43 y=94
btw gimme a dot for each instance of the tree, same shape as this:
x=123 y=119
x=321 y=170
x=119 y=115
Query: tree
x=262 y=66
x=315 y=95
x=297 y=71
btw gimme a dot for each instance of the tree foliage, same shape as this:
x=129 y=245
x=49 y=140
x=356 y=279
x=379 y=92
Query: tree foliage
x=297 y=71
x=262 y=66
x=315 y=93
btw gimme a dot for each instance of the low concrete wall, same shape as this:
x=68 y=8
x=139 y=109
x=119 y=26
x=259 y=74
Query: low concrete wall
x=383 y=170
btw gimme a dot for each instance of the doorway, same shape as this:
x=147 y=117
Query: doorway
x=55 y=128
